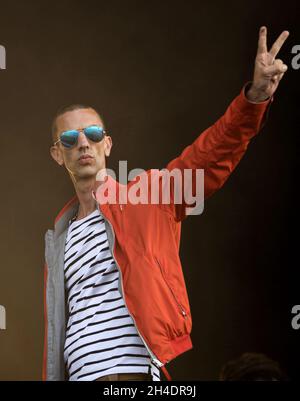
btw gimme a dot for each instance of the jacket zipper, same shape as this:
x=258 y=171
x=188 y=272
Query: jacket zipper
x=157 y=362
x=182 y=310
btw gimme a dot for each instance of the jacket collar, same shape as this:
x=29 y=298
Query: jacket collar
x=67 y=212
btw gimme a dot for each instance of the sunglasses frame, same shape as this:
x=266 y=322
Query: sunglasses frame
x=79 y=130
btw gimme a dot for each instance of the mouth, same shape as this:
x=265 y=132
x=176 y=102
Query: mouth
x=85 y=159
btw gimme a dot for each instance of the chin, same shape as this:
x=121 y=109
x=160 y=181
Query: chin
x=86 y=172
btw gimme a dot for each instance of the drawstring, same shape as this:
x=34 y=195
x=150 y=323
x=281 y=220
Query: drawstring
x=166 y=373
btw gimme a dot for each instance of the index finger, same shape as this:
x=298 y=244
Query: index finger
x=262 y=40
x=278 y=43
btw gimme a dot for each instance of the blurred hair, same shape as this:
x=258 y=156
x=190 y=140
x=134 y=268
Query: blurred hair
x=252 y=366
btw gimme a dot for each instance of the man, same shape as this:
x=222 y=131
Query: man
x=116 y=306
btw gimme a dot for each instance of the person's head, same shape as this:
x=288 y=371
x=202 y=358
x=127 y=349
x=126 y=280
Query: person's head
x=252 y=366
x=74 y=158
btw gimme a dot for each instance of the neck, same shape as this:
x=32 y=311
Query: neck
x=87 y=203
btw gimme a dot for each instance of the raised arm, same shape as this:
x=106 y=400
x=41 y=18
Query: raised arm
x=220 y=147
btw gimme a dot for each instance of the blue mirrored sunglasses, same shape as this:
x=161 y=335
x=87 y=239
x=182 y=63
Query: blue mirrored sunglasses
x=69 y=138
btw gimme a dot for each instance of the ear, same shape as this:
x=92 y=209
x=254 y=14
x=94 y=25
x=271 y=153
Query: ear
x=57 y=155
x=107 y=145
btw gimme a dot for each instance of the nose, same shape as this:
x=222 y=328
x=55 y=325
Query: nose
x=82 y=141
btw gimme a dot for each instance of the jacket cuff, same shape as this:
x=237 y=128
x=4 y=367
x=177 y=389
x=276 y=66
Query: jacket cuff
x=255 y=111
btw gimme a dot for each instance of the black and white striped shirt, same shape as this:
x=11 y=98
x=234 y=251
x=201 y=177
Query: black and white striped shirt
x=101 y=337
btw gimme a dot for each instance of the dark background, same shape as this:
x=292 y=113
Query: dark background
x=159 y=72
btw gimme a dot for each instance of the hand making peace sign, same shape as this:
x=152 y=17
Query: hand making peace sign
x=268 y=70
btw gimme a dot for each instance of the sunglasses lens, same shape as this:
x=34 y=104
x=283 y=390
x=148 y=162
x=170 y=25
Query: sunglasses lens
x=69 y=138
x=94 y=133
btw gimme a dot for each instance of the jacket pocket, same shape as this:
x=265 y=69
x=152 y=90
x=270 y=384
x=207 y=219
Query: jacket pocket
x=181 y=308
